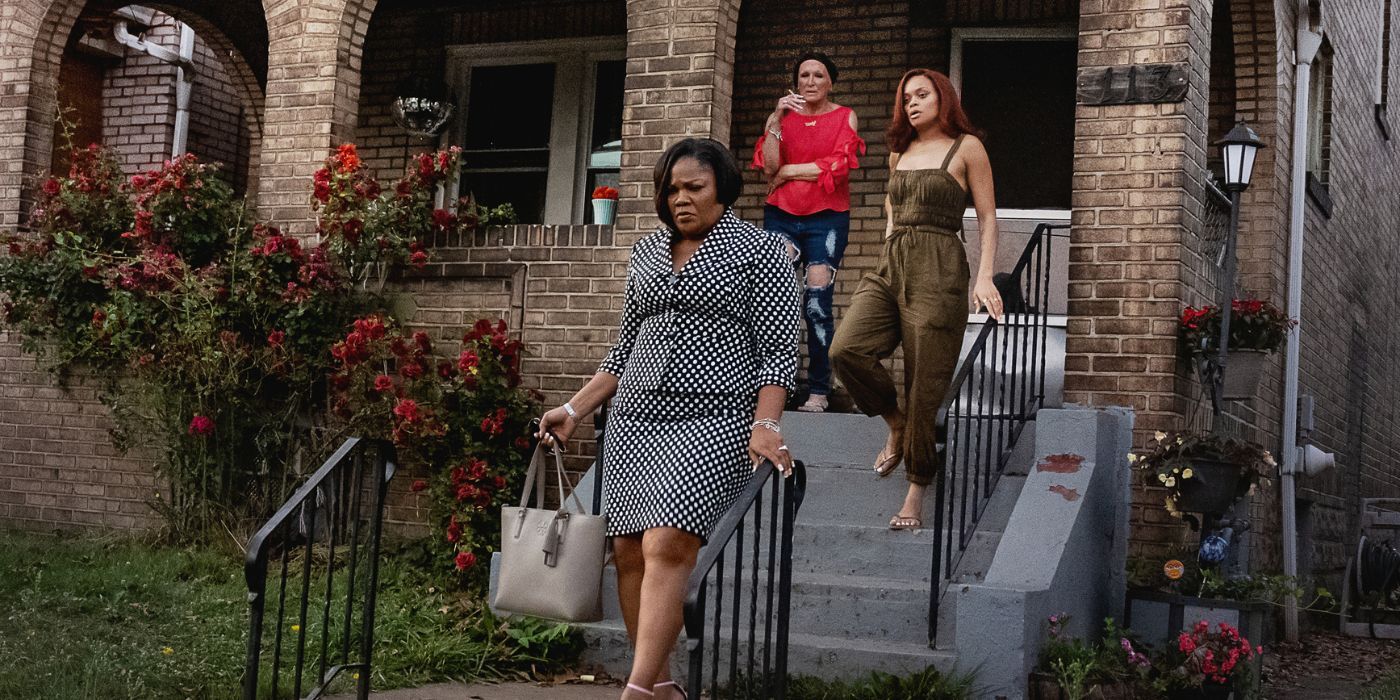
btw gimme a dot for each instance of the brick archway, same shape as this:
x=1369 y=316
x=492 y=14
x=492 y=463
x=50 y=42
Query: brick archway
x=34 y=39
x=246 y=74
x=37 y=38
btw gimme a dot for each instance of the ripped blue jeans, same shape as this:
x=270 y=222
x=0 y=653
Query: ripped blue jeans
x=819 y=240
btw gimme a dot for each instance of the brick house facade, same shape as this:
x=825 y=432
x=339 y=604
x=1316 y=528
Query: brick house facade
x=304 y=75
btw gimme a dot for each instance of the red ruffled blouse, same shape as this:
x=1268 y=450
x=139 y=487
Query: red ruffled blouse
x=827 y=140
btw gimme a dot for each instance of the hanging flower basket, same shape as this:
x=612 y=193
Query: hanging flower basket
x=1212 y=487
x=1243 y=370
x=1203 y=472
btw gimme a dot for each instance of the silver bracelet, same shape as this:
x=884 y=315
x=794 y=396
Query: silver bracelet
x=776 y=134
x=768 y=423
x=569 y=409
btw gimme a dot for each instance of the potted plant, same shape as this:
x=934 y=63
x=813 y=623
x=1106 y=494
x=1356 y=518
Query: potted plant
x=604 y=205
x=1073 y=669
x=1257 y=328
x=1204 y=472
x=1205 y=664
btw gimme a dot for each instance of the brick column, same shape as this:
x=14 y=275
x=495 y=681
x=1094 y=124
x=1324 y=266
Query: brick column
x=1137 y=173
x=313 y=90
x=680 y=82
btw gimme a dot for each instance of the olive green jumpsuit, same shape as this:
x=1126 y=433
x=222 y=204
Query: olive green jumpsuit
x=917 y=296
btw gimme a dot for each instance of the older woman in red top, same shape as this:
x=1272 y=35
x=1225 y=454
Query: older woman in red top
x=807 y=153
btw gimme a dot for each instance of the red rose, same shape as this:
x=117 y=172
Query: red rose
x=454 y=530
x=201 y=426
x=465 y=560
x=52 y=186
x=446 y=370
x=418 y=259
x=275 y=338
x=468 y=361
x=407 y=410
x=423 y=342
x=98 y=318
x=383 y=383
x=418 y=485
x=443 y=219
x=411 y=370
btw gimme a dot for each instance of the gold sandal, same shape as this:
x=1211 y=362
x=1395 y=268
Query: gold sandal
x=886 y=461
x=906 y=522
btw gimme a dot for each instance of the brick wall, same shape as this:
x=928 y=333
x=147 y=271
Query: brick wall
x=1349 y=332
x=871 y=51
x=218 y=117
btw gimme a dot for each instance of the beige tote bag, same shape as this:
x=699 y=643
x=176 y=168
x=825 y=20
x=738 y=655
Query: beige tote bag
x=551 y=560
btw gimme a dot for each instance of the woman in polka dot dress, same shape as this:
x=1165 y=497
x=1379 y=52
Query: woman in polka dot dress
x=704 y=360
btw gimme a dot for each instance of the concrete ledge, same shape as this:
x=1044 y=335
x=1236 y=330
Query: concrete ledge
x=1064 y=549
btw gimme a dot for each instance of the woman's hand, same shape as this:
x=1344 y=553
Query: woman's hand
x=558 y=422
x=790 y=101
x=766 y=444
x=986 y=296
x=776 y=181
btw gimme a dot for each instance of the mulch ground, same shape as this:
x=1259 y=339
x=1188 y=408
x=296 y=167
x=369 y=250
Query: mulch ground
x=1326 y=666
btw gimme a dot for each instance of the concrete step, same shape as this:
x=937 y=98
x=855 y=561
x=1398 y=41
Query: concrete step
x=808 y=655
x=862 y=550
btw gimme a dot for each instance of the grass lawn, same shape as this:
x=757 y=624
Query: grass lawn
x=93 y=617
x=1387 y=687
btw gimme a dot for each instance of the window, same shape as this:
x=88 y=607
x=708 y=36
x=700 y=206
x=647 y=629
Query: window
x=1004 y=75
x=541 y=124
x=1320 y=114
x=1320 y=129
x=1383 y=73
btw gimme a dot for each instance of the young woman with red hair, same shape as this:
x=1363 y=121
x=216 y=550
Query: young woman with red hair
x=917 y=294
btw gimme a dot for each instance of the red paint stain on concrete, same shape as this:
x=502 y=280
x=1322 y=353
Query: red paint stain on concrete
x=1061 y=464
x=1069 y=493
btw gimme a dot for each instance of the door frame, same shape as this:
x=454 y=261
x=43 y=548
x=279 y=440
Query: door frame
x=959 y=36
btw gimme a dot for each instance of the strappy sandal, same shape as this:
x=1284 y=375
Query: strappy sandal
x=886 y=461
x=639 y=689
x=906 y=522
x=673 y=684
x=816 y=403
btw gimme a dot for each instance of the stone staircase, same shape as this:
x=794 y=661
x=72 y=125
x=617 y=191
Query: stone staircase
x=860 y=593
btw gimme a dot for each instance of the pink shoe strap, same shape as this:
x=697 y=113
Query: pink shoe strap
x=671 y=683
x=640 y=689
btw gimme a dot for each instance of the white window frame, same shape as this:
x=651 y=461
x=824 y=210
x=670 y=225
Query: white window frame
x=1382 y=87
x=961 y=35
x=571 y=124
x=1319 y=93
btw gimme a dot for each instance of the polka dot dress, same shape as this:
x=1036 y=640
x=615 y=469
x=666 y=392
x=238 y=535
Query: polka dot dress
x=693 y=349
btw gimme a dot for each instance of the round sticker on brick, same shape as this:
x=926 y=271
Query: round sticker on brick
x=1174 y=569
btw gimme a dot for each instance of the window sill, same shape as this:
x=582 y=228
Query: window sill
x=1317 y=192
x=1381 y=122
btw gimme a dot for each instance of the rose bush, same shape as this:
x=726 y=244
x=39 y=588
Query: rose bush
x=210 y=333
x=463 y=419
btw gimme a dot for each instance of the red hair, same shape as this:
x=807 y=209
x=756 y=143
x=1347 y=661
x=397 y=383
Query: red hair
x=951 y=117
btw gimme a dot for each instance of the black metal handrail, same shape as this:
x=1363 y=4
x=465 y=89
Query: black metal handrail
x=328 y=534
x=762 y=672
x=996 y=390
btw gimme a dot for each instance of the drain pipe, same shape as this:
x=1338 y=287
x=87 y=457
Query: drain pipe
x=184 y=75
x=1307 y=42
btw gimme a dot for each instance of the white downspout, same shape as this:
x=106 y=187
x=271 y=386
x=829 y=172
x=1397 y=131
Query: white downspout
x=1307 y=42
x=184 y=79
x=184 y=88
